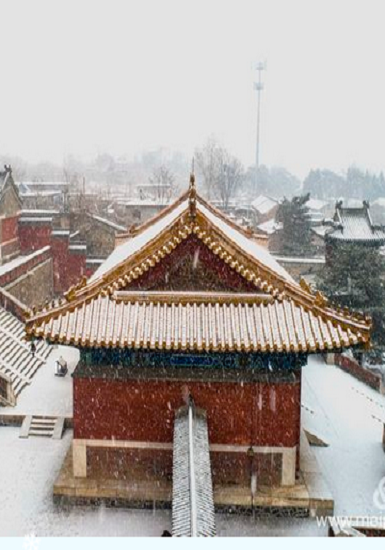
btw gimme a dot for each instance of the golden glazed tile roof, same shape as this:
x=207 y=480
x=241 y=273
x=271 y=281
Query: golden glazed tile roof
x=188 y=322
x=282 y=315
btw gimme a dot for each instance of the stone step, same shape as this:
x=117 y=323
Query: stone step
x=59 y=428
x=25 y=427
x=41 y=433
x=41 y=426
x=44 y=426
x=43 y=421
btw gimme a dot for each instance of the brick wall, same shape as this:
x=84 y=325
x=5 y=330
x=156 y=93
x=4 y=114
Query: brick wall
x=69 y=265
x=29 y=279
x=9 y=238
x=256 y=413
x=351 y=366
x=262 y=414
x=35 y=286
x=34 y=236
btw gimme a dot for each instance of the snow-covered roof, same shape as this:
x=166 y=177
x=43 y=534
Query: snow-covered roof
x=187 y=321
x=95 y=261
x=355 y=225
x=300 y=260
x=134 y=244
x=264 y=204
x=193 y=513
x=77 y=247
x=44 y=183
x=38 y=212
x=110 y=223
x=143 y=203
x=293 y=306
x=245 y=243
x=20 y=260
x=61 y=232
x=35 y=219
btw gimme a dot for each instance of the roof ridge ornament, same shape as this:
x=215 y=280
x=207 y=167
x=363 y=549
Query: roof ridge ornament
x=192 y=194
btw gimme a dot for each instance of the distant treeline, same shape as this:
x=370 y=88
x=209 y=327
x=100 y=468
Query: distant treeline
x=357 y=184
x=212 y=161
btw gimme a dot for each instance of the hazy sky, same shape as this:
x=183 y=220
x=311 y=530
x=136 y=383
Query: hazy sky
x=84 y=77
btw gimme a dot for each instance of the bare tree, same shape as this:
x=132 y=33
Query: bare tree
x=222 y=173
x=163 y=181
x=229 y=178
x=209 y=159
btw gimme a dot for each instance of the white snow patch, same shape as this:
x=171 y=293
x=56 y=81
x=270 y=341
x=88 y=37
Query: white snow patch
x=354 y=462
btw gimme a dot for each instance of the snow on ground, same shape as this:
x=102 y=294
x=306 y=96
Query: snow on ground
x=27 y=474
x=48 y=394
x=354 y=462
x=29 y=468
x=339 y=409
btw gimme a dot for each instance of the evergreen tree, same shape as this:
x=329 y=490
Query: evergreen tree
x=353 y=277
x=296 y=232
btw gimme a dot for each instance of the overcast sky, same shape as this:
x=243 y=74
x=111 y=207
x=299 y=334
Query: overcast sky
x=83 y=77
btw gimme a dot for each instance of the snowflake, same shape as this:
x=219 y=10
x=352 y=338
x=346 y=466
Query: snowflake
x=31 y=542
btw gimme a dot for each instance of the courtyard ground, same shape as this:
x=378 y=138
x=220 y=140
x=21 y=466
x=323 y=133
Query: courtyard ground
x=338 y=408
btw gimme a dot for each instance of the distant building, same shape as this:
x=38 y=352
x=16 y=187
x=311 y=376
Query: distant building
x=352 y=225
x=265 y=208
x=79 y=242
x=10 y=207
x=137 y=211
x=318 y=210
x=42 y=195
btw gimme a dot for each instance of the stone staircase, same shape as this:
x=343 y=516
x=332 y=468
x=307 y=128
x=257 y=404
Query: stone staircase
x=42 y=426
x=17 y=362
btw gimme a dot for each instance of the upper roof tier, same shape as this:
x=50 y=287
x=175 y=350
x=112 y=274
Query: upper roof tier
x=178 y=214
x=273 y=312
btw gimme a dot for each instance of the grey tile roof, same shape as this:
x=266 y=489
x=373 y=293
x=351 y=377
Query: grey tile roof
x=355 y=224
x=192 y=503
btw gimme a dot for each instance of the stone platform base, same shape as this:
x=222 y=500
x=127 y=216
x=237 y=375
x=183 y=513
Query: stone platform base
x=308 y=497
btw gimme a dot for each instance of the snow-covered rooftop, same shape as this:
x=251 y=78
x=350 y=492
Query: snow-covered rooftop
x=110 y=223
x=264 y=204
x=20 y=260
x=139 y=241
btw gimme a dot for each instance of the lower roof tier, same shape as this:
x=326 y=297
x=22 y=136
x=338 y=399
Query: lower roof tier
x=223 y=325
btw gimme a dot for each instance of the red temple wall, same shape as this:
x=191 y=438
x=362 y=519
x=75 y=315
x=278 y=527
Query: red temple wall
x=34 y=237
x=69 y=266
x=261 y=414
